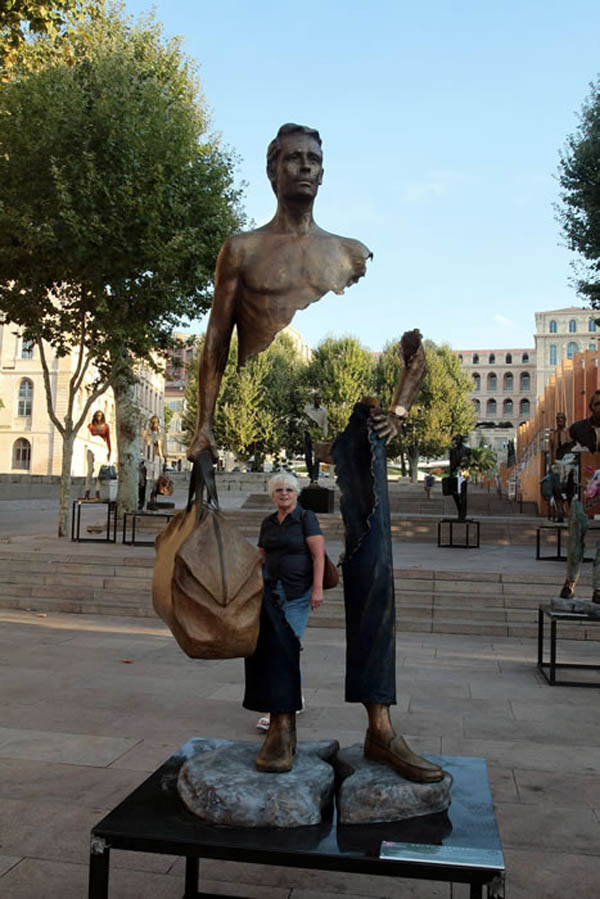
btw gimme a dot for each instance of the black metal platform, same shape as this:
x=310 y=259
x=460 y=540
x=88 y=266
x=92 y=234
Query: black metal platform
x=461 y=845
x=555 y=617
x=133 y=541
x=559 y=528
x=110 y=535
x=452 y=523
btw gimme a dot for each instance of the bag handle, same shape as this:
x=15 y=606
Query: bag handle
x=203 y=477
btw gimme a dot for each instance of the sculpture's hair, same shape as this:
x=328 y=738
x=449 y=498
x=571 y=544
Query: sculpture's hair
x=595 y=393
x=274 y=148
x=282 y=479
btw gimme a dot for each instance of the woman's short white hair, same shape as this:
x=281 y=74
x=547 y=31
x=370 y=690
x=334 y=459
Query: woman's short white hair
x=283 y=479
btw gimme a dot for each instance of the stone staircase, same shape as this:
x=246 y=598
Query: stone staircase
x=117 y=582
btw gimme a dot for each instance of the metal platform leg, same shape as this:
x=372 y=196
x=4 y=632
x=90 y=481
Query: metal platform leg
x=99 y=868
x=191 y=877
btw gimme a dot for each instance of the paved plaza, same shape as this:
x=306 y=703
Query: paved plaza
x=91 y=705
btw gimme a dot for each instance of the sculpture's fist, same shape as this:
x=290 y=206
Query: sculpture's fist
x=203 y=440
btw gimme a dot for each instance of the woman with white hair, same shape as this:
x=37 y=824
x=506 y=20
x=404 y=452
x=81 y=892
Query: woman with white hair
x=293 y=550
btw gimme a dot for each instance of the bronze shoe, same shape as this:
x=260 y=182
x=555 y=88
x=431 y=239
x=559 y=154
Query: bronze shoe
x=277 y=752
x=397 y=754
x=568 y=590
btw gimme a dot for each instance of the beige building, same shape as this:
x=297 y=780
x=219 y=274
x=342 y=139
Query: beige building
x=29 y=442
x=559 y=334
x=503 y=392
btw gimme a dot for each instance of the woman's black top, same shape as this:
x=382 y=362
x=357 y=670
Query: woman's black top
x=288 y=556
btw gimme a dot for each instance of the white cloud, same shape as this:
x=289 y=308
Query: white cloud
x=436 y=184
x=505 y=322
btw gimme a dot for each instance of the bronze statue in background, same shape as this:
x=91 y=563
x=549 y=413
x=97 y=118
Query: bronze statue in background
x=263 y=277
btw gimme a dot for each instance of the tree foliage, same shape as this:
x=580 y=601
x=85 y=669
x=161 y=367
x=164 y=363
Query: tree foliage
x=259 y=406
x=341 y=370
x=579 y=212
x=21 y=20
x=114 y=197
x=483 y=460
x=441 y=410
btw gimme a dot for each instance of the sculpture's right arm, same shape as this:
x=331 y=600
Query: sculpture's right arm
x=216 y=347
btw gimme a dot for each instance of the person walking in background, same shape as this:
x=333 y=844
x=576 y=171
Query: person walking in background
x=428 y=484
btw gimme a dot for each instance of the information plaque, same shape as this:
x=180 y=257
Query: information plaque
x=459 y=856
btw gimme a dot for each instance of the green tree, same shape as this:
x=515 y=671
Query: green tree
x=579 y=211
x=114 y=201
x=257 y=411
x=483 y=461
x=342 y=371
x=21 y=20
x=442 y=407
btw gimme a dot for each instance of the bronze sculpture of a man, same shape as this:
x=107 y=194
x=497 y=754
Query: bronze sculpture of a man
x=263 y=277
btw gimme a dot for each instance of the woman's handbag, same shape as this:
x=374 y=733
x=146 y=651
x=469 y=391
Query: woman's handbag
x=331 y=575
x=208 y=582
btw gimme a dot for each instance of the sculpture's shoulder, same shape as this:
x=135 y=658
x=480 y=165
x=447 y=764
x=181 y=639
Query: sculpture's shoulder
x=352 y=255
x=355 y=249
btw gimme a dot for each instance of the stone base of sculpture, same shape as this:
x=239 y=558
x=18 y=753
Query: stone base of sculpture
x=372 y=793
x=580 y=606
x=219 y=783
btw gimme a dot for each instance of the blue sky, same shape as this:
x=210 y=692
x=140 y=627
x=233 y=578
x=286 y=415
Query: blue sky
x=441 y=127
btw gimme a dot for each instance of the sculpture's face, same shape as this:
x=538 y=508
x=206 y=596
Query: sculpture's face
x=561 y=420
x=154 y=423
x=299 y=167
x=98 y=418
x=595 y=407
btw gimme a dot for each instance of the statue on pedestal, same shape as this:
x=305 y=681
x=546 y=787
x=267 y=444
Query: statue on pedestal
x=263 y=277
x=318 y=415
x=460 y=457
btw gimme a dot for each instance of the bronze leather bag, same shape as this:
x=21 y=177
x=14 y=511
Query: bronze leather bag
x=208 y=581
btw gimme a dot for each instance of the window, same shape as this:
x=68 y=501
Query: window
x=572 y=348
x=524 y=407
x=508 y=382
x=525 y=358
x=25 y=399
x=476 y=382
x=27 y=349
x=592 y=346
x=507 y=407
x=524 y=380
x=477 y=406
x=492 y=359
x=508 y=358
x=491 y=381
x=491 y=408
x=22 y=454
x=552 y=354
x=552 y=327
x=475 y=358
x=572 y=326
x=591 y=325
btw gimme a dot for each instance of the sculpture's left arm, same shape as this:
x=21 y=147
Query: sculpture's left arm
x=388 y=424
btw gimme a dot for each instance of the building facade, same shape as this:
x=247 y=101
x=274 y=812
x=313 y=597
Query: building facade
x=503 y=394
x=559 y=335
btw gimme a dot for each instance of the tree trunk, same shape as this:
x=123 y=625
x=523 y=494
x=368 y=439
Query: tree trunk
x=128 y=445
x=64 y=505
x=413 y=463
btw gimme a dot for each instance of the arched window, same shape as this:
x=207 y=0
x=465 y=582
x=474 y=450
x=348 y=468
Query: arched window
x=25 y=398
x=508 y=358
x=552 y=354
x=22 y=454
x=491 y=381
x=572 y=326
x=475 y=358
x=492 y=359
x=572 y=348
x=476 y=382
x=552 y=327
x=524 y=381
x=525 y=358
x=592 y=346
x=507 y=407
x=491 y=408
x=591 y=325
x=524 y=407
x=508 y=381
x=477 y=406
x=27 y=349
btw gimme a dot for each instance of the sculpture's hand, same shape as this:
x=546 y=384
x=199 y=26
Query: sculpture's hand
x=388 y=424
x=203 y=440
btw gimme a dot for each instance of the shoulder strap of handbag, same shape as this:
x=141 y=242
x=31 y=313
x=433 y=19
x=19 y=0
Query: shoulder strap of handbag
x=202 y=478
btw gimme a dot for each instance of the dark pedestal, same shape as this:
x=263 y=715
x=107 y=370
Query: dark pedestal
x=459 y=846
x=467 y=536
x=133 y=539
x=110 y=529
x=159 y=506
x=318 y=499
x=552 y=665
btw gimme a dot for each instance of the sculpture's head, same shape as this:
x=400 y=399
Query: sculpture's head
x=316 y=399
x=98 y=417
x=154 y=423
x=561 y=420
x=295 y=162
